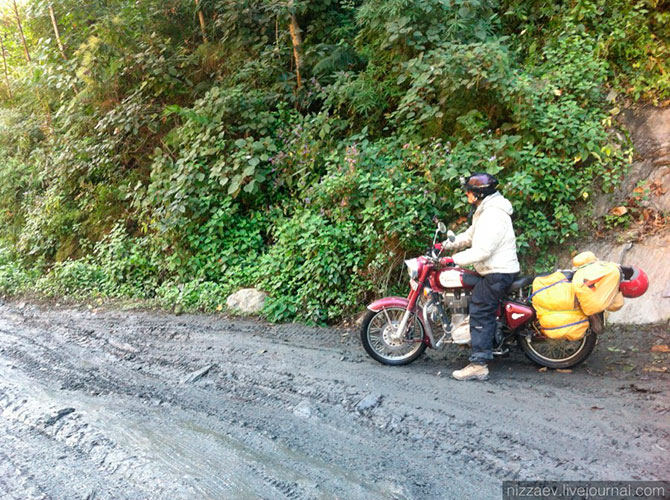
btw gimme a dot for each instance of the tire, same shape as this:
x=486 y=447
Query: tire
x=580 y=350
x=373 y=337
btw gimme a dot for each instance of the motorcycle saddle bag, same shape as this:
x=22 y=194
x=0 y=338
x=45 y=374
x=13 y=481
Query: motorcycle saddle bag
x=597 y=287
x=557 y=309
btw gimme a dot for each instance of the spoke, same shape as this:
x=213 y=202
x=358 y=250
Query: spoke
x=557 y=349
x=388 y=320
x=377 y=344
x=377 y=330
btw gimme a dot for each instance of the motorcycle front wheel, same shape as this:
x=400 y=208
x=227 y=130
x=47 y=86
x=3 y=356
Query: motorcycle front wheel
x=555 y=353
x=378 y=341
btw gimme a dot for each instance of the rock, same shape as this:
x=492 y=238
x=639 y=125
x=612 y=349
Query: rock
x=61 y=413
x=649 y=128
x=247 y=300
x=122 y=346
x=369 y=402
x=197 y=375
x=303 y=409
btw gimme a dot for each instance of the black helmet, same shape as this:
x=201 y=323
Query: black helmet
x=481 y=184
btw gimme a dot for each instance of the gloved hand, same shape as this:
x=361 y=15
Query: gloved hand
x=447 y=245
x=438 y=246
x=447 y=261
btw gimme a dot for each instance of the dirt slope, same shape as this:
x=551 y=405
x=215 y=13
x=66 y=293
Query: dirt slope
x=144 y=405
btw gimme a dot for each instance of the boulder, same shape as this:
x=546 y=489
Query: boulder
x=247 y=300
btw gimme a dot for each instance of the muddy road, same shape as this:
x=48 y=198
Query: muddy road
x=116 y=404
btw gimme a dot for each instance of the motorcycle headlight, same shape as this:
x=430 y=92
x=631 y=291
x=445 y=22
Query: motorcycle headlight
x=412 y=268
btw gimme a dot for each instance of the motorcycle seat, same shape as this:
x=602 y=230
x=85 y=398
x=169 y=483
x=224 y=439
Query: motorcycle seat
x=519 y=283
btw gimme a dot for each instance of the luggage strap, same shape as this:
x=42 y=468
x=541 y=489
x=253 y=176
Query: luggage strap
x=565 y=326
x=548 y=286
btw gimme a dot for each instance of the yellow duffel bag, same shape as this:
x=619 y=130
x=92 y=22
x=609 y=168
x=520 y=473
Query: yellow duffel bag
x=583 y=258
x=568 y=325
x=597 y=286
x=617 y=303
x=557 y=310
x=553 y=292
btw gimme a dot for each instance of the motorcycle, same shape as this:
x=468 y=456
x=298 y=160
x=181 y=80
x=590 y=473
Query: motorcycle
x=397 y=330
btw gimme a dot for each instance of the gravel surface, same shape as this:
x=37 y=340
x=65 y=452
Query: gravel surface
x=120 y=404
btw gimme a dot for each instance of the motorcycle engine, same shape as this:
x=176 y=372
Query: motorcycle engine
x=456 y=302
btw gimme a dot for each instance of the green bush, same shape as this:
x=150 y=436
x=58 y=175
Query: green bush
x=205 y=296
x=73 y=279
x=151 y=164
x=14 y=277
x=130 y=265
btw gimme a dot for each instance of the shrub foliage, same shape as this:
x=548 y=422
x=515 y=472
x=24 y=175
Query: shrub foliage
x=143 y=157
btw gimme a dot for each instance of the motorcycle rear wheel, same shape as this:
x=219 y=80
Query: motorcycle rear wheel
x=554 y=353
x=376 y=341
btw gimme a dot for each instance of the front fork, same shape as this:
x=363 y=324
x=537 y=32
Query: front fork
x=411 y=305
x=400 y=333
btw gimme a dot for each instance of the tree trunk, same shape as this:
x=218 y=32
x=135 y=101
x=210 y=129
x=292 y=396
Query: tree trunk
x=40 y=99
x=201 y=18
x=53 y=21
x=23 y=38
x=4 y=61
x=296 y=38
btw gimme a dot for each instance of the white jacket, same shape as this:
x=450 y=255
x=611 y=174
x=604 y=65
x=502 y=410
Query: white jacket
x=490 y=238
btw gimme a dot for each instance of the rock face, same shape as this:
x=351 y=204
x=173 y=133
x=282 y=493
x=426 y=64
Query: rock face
x=247 y=300
x=652 y=255
x=649 y=128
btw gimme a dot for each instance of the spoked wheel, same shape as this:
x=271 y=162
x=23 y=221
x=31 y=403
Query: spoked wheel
x=379 y=339
x=556 y=353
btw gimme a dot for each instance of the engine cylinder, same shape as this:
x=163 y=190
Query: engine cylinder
x=457 y=302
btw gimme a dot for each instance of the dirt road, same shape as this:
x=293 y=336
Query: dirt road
x=115 y=404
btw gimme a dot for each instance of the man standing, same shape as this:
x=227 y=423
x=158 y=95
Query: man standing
x=492 y=251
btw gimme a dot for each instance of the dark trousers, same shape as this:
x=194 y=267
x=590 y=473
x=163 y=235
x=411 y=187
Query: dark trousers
x=485 y=298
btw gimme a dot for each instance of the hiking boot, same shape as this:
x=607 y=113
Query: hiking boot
x=472 y=372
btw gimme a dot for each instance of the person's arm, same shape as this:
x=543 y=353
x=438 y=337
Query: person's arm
x=485 y=239
x=462 y=240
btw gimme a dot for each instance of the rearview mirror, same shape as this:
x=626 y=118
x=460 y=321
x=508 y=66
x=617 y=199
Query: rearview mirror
x=441 y=227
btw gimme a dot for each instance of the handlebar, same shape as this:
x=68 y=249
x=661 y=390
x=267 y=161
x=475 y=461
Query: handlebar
x=447 y=262
x=433 y=253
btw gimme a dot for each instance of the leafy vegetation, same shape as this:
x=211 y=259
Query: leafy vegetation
x=176 y=150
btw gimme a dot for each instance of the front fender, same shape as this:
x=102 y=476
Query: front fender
x=402 y=303
x=380 y=304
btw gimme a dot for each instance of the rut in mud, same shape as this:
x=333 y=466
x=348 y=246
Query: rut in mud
x=116 y=404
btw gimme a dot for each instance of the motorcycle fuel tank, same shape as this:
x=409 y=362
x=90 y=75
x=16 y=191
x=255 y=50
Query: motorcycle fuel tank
x=451 y=278
x=518 y=314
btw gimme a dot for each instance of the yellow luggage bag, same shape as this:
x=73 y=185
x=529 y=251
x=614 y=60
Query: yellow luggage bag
x=557 y=310
x=596 y=286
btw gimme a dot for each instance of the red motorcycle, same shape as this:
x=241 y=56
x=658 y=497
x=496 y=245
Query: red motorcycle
x=397 y=330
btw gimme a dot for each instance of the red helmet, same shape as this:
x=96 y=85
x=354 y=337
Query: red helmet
x=634 y=283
